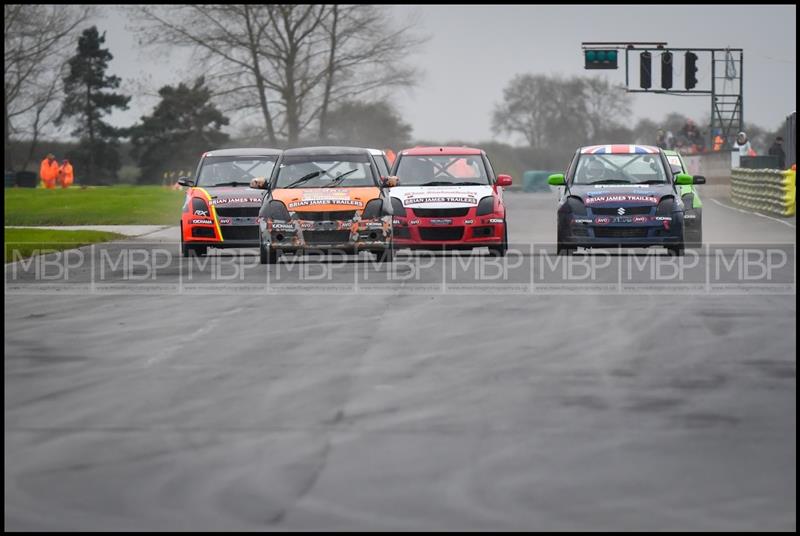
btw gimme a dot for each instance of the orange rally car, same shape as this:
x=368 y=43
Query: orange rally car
x=326 y=198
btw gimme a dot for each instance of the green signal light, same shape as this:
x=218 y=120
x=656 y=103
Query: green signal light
x=601 y=55
x=611 y=55
x=590 y=55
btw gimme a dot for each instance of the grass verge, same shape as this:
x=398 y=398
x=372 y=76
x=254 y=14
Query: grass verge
x=22 y=243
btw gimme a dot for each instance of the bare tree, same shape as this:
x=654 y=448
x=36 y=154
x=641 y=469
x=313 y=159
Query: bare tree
x=36 y=45
x=292 y=62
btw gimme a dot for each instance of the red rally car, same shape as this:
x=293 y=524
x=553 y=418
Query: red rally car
x=448 y=198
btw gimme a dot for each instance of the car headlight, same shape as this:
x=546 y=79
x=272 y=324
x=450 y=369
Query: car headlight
x=398 y=208
x=372 y=210
x=666 y=206
x=200 y=207
x=486 y=206
x=276 y=210
x=574 y=206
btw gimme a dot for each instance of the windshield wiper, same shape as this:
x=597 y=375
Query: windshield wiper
x=436 y=183
x=467 y=183
x=611 y=181
x=232 y=183
x=340 y=178
x=653 y=181
x=305 y=178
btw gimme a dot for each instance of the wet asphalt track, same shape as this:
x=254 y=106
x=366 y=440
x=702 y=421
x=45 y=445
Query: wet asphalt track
x=405 y=409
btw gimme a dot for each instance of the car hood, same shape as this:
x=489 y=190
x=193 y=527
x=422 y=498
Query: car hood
x=232 y=196
x=600 y=195
x=440 y=196
x=325 y=199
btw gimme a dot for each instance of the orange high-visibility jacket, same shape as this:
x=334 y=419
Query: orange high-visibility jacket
x=48 y=172
x=66 y=174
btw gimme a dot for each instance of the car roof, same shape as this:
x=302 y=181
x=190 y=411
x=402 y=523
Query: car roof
x=619 y=149
x=244 y=151
x=325 y=150
x=430 y=151
x=375 y=152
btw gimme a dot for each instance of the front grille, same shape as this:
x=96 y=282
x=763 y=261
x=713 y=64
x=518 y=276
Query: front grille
x=238 y=212
x=326 y=237
x=614 y=211
x=203 y=232
x=620 y=232
x=402 y=232
x=441 y=233
x=235 y=233
x=478 y=232
x=333 y=215
x=441 y=212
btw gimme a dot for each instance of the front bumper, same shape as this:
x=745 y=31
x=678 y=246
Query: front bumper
x=636 y=231
x=460 y=232
x=350 y=235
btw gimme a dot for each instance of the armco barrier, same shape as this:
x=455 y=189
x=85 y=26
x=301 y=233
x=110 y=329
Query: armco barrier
x=765 y=190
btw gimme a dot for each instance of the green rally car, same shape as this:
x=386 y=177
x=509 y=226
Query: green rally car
x=693 y=215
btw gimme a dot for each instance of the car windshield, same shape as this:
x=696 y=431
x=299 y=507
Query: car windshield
x=620 y=169
x=441 y=170
x=675 y=163
x=325 y=171
x=234 y=170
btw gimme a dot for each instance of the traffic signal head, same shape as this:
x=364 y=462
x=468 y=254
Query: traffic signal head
x=645 y=68
x=691 y=70
x=600 y=59
x=666 y=70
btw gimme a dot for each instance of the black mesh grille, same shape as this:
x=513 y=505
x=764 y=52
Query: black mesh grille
x=238 y=212
x=620 y=232
x=203 y=232
x=235 y=233
x=614 y=211
x=333 y=215
x=402 y=232
x=441 y=212
x=441 y=233
x=326 y=237
x=478 y=232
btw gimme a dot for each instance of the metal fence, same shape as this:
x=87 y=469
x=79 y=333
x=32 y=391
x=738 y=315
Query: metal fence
x=790 y=139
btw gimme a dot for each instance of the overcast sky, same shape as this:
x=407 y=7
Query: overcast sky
x=475 y=50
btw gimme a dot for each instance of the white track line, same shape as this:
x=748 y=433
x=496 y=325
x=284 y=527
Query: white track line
x=751 y=212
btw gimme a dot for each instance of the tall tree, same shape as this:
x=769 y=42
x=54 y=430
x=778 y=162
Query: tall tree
x=88 y=99
x=376 y=124
x=291 y=62
x=34 y=54
x=183 y=125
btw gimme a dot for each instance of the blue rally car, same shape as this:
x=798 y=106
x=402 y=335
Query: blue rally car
x=620 y=195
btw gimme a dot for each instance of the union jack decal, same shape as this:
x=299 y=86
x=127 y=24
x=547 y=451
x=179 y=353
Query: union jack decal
x=619 y=149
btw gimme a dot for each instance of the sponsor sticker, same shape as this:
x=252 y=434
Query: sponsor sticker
x=640 y=219
x=440 y=199
x=602 y=220
x=495 y=220
x=201 y=213
x=227 y=200
x=581 y=220
x=440 y=221
x=325 y=201
x=469 y=222
x=224 y=221
x=622 y=198
x=202 y=222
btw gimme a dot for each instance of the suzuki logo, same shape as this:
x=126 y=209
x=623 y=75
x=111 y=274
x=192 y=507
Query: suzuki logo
x=620 y=211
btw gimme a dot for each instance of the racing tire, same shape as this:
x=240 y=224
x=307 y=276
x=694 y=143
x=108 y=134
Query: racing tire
x=502 y=249
x=676 y=251
x=193 y=250
x=267 y=255
x=563 y=249
x=386 y=255
x=694 y=233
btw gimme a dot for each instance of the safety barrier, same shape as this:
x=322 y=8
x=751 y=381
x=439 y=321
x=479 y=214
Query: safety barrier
x=765 y=190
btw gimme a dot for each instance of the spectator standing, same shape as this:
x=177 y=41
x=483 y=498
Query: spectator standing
x=777 y=150
x=65 y=174
x=48 y=171
x=743 y=145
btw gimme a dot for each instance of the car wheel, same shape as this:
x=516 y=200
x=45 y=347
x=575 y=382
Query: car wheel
x=267 y=255
x=676 y=251
x=502 y=249
x=561 y=249
x=387 y=255
x=694 y=233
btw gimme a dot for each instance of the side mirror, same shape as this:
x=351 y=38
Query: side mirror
x=556 y=179
x=185 y=181
x=699 y=179
x=389 y=182
x=504 y=180
x=683 y=179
